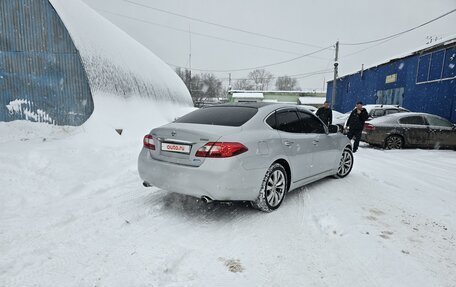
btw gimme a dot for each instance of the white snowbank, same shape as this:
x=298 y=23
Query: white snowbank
x=312 y=100
x=248 y=95
x=116 y=63
x=73 y=212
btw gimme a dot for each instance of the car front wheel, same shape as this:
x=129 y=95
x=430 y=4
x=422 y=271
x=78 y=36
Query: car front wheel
x=273 y=189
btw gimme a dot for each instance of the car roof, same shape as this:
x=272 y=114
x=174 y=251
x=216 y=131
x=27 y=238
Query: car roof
x=376 y=106
x=409 y=114
x=400 y=115
x=261 y=106
x=245 y=104
x=382 y=106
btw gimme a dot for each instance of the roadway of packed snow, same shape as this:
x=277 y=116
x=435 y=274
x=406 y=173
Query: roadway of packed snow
x=73 y=212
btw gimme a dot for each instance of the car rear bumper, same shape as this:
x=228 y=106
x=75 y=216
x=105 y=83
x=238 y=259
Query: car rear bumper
x=218 y=178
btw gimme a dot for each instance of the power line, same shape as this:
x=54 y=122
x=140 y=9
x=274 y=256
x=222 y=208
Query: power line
x=315 y=74
x=367 y=48
x=400 y=33
x=260 y=67
x=222 y=26
x=202 y=34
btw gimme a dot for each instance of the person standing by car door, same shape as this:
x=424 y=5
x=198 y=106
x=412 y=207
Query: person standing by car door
x=325 y=114
x=355 y=124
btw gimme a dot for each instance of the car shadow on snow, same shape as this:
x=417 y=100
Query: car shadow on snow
x=162 y=202
x=193 y=208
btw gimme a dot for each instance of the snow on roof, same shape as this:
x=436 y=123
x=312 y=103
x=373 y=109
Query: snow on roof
x=248 y=95
x=115 y=63
x=442 y=42
x=311 y=100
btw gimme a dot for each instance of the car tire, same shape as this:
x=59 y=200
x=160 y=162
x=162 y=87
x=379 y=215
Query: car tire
x=273 y=189
x=345 y=164
x=394 y=142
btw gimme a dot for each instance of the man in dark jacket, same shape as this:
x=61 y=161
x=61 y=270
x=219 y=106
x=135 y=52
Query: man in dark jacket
x=325 y=113
x=355 y=124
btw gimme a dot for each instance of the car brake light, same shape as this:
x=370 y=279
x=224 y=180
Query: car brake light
x=369 y=127
x=149 y=142
x=221 y=149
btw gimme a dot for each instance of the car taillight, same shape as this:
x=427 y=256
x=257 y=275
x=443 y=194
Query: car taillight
x=369 y=127
x=221 y=149
x=149 y=142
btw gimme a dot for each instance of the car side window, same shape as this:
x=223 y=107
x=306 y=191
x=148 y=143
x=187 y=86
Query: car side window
x=288 y=121
x=391 y=111
x=434 y=121
x=412 y=120
x=310 y=124
x=378 y=113
x=271 y=121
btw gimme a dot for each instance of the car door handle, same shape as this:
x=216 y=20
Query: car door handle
x=315 y=142
x=288 y=143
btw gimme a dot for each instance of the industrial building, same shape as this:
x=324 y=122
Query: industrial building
x=421 y=81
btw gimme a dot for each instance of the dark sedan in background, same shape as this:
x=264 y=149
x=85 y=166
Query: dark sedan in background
x=400 y=130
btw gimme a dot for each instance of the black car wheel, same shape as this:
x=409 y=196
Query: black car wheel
x=394 y=142
x=273 y=189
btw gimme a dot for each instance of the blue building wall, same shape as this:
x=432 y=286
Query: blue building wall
x=41 y=73
x=422 y=82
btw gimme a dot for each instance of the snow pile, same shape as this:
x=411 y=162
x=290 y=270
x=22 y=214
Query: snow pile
x=73 y=212
x=312 y=100
x=135 y=116
x=116 y=63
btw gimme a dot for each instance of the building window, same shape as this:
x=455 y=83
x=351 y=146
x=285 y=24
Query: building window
x=437 y=66
x=423 y=68
x=449 y=67
x=435 y=70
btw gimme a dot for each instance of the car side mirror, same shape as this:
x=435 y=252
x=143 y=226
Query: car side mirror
x=332 y=129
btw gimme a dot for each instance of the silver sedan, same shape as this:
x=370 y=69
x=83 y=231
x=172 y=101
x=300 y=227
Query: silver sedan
x=253 y=152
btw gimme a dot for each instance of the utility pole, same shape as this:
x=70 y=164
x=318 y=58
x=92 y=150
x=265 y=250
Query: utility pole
x=229 y=81
x=190 y=60
x=336 y=64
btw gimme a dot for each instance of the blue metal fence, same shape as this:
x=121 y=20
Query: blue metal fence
x=41 y=73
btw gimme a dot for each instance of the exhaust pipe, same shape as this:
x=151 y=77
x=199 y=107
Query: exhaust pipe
x=206 y=199
x=146 y=184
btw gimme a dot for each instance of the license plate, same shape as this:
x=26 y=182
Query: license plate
x=172 y=147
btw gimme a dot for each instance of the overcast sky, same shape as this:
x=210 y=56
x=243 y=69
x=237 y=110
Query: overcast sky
x=317 y=23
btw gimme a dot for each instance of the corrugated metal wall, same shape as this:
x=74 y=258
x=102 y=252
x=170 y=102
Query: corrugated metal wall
x=429 y=88
x=41 y=73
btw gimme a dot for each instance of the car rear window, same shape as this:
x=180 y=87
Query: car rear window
x=220 y=116
x=434 y=121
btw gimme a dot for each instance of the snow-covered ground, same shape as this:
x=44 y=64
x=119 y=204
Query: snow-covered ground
x=73 y=212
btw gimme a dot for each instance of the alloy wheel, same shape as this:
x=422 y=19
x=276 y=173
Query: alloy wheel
x=275 y=188
x=346 y=163
x=394 y=142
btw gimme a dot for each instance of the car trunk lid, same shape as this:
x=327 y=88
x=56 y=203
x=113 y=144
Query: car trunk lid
x=178 y=142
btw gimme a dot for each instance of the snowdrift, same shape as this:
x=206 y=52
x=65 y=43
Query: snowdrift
x=131 y=87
